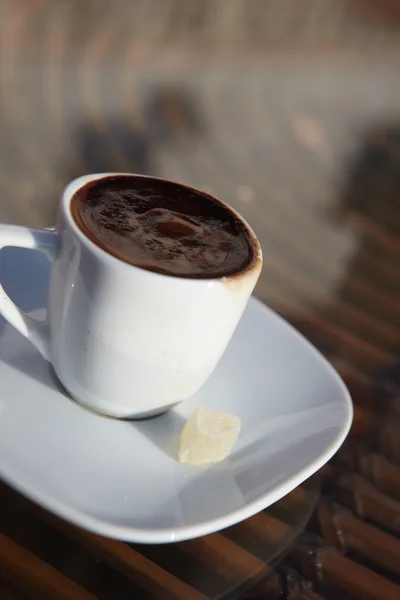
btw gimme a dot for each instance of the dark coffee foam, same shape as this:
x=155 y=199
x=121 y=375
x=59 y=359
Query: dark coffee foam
x=163 y=227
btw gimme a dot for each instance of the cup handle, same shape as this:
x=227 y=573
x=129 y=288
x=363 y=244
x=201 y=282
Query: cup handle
x=47 y=242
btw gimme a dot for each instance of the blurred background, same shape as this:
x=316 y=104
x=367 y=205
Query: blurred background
x=289 y=110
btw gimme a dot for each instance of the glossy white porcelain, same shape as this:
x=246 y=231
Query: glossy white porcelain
x=125 y=341
x=122 y=478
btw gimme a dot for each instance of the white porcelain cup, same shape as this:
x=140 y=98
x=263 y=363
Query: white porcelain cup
x=124 y=341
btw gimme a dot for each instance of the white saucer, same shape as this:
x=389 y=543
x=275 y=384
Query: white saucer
x=122 y=479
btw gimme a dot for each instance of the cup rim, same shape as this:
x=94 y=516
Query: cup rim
x=76 y=184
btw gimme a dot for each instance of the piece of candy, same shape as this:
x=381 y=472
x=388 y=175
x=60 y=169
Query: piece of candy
x=208 y=436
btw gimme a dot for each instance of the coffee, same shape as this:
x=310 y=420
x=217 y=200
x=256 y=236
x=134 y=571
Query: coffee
x=163 y=227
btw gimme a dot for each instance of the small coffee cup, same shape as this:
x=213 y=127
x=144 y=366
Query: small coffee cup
x=125 y=341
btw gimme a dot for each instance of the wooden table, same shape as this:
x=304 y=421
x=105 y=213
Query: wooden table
x=293 y=117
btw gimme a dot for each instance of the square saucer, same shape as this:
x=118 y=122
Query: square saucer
x=122 y=479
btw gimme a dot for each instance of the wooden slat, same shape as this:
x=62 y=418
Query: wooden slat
x=119 y=555
x=362 y=421
x=354 y=579
x=234 y=564
x=381 y=472
x=266 y=528
x=134 y=566
x=322 y=563
x=29 y=570
x=368 y=354
x=226 y=558
x=294 y=499
x=377 y=234
x=384 y=475
x=7 y=592
x=342 y=528
x=130 y=563
x=301 y=274
x=367 y=502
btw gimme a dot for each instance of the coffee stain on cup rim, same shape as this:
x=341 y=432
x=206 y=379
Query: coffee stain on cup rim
x=236 y=281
